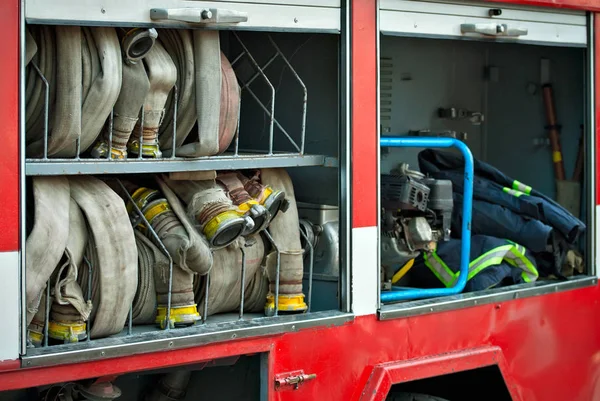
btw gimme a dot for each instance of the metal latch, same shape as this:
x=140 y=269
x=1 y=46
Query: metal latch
x=292 y=379
x=199 y=15
x=493 y=29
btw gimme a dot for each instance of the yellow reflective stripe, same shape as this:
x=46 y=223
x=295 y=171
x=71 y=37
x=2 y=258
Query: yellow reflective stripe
x=512 y=254
x=403 y=270
x=519 y=186
x=438 y=269
x=513 y=192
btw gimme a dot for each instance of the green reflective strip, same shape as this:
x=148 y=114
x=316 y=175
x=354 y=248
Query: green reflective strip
x=517 y=259
x=512 y=254
x=513 y=192
x=519 y=186
x=439 y=269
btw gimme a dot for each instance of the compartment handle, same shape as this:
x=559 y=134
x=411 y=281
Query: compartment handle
x=493 y=29
x=199 y=15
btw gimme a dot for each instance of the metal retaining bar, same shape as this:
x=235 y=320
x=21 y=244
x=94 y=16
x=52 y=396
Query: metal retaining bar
x=459 y=286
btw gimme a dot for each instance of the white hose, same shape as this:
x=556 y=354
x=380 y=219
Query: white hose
x=42 y=255
x=111 y=250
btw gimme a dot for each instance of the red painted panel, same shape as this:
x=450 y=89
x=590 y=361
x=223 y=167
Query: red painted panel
x=550 y=344
x=389 y=373
x=364 y=113
x=9 y=115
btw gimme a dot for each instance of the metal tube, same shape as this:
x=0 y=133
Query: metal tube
x=310 y=268
x=111 y=121
x=206 y=287
x=89 y=294
x=257 y=74
x=175 y=107
x=141 y=142
x=305 y=100
x=283 y=130
x=278 y=267
x=243 y=285
x=162 y=247
x=237 y=133
x=47 y=315
x=272 y=114
x=46 y=107
x=238 y=58
x=130 y=320
x=459 y=285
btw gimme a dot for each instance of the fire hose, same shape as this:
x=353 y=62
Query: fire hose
x=179 y=44
x=162 y=75
x=82 y=92
x=135 y=88
x=286 y=237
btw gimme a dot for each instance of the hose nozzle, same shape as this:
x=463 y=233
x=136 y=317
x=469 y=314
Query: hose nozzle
x=136 y=43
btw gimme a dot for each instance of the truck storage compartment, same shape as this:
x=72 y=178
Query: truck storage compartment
x=520 y=104
x=169 y=171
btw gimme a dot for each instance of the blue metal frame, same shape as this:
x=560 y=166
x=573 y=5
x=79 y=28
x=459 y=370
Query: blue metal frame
x=416 y=142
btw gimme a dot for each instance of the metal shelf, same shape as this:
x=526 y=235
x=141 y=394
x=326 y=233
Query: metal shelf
x=135 y=166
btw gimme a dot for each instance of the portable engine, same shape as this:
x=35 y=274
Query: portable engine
x=416 y=215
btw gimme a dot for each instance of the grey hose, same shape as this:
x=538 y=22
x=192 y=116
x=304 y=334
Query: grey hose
x=134 y=89
x=180 y=46
x=150 y=259
x=43 y=36
x=225 y=278
x=111 y=250
x=207 y=52
x=51 y=201
x=101 y=80
x=285 y=233
x=162 y=74
x=69 y=303
x=66 y=111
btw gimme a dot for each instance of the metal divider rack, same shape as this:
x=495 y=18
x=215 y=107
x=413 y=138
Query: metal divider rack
x=135 y=341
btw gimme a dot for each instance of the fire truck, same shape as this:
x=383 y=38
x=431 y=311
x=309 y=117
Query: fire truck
x=222 y=200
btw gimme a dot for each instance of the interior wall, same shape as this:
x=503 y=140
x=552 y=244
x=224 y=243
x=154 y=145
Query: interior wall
x=315 y=57
x=433 y=73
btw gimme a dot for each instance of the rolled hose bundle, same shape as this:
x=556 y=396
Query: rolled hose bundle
x=111 y=251
x=207 y=204
x=225 y=279
x=126 y=112
x=189 y=251
x=286 y=235
x=217 y=96
x=180 y=46
x=162 y=74
x=84 y=76
x=70 y=310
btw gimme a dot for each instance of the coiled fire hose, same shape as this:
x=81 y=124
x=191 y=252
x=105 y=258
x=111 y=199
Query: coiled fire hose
x=150 y=259
x=65 y=117
x=286 y=235
x=208 y=205
x=217 y=98
x=190 y=252
x=180 y=46
x=226 y=275
x=84 y=77
x=136 y=44
x=111 y=251
x=70 y=310
x=162 y=75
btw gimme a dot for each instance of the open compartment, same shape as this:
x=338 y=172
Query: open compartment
x=504 y=92
x=135 y=245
